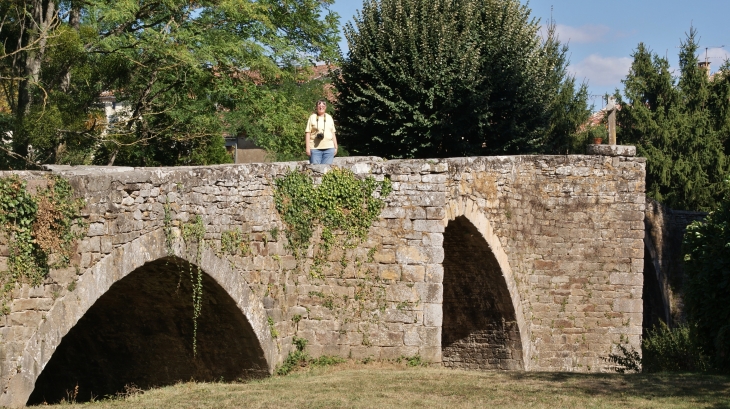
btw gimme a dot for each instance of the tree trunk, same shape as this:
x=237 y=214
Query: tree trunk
x=40 y=21
x=74 y=20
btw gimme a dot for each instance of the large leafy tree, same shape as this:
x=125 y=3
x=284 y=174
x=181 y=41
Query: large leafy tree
x=181 y=67
x=437 y=78
x=678 y=124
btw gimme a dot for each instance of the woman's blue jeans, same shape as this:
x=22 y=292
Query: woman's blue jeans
x=322 y=156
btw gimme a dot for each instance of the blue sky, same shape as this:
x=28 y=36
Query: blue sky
x=603 y=34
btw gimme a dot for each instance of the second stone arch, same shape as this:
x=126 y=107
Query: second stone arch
x=483 y=322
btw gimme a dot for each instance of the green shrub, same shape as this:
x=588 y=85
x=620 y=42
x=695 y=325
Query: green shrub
x=295 y=358
x=300 y=358
x=412 y=361
x=707 y=293
x=327 y=360
x=627 y=360
x=673 y=350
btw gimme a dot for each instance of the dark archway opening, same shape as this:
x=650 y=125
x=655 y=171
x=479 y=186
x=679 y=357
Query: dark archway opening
x=479 y=328
x=653 y=300
x=141 y=333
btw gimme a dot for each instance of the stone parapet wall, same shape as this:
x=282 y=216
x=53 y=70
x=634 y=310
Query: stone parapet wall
x=565 y=235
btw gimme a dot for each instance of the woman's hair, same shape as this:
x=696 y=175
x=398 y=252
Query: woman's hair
x=321 y=101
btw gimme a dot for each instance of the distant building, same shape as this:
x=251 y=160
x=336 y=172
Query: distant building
x=244 y=150
x=115 y=112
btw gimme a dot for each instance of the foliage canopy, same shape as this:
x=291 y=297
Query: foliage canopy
x=181 y=69
x=707 y=294
x=438 y=78
x=681 y=125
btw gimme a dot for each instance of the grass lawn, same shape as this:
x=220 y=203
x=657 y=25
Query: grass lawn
x=386 y=385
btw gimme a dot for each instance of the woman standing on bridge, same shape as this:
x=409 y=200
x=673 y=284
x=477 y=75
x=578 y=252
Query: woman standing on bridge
x=319 y=136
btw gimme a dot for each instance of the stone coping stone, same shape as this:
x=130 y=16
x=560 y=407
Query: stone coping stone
x=611 y=150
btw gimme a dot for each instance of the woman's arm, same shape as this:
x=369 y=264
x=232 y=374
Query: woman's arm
x=306 y=144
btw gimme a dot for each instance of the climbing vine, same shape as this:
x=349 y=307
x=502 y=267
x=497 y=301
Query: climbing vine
x=342 y=205
x=194 y=232
x=39 y=230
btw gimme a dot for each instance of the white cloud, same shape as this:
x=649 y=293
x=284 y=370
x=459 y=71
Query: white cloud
x=583 y=34
x=602 y=71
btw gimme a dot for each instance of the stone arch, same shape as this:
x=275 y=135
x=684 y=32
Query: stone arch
x=96 y=281
x=505 y=348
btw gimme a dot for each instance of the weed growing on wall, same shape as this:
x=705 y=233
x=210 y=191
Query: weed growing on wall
x=300 y=358
x=342 y=205
x=234 y=242
x=39 y=229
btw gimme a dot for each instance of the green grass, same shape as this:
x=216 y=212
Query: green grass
x=355 y=385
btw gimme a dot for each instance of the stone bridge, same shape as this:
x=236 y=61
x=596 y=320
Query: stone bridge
x=516 y=263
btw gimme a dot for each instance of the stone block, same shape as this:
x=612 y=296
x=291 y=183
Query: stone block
x=429 y=336
x=434 y=273
x=390 y=353
x=384 y=256
x=401 y=293
x=92 y=244
x=393 y=315
x=416 y=213
x=433 y=239
x=628 y=305
x=630 y=279
x=431 y=293
x=389 y=272
x=433 y=315
x=25 y=318
x=611 y=150
x=393 y=213
x=365 y=352
x=435 y=213
x=411 y=255
x=298 y=310
x=430 y=354
x=411 y=337
x=96 y=229
x=430 y=226
x=37 y=304
x=413 y=273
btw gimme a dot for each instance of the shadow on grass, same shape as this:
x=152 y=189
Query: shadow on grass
x=703 y=387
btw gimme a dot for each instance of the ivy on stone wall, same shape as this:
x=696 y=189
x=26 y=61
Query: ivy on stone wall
x=342 y=205
x=39 y=230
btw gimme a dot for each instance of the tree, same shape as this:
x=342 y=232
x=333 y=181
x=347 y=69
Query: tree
x=179 y=66
x=707 y=295
x=278 y=125
x=672 y=123
x=437 y=78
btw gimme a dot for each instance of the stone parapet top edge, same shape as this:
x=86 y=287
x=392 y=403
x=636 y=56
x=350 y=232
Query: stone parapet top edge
x=611 y=150
x=358 y=164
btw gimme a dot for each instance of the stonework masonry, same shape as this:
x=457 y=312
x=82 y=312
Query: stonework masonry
x=521 y=262
x=663 y=264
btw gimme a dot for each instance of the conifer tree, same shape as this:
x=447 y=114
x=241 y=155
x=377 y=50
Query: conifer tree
x=439 y=78
x=671 y=121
